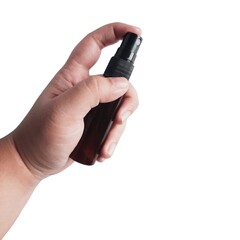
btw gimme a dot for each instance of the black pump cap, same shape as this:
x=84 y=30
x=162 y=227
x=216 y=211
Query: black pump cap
x=129 y=47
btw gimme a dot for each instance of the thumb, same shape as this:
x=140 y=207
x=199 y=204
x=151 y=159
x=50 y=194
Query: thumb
x=90 y=92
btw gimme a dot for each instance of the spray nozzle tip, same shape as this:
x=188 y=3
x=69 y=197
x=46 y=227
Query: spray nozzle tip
x=129 y=47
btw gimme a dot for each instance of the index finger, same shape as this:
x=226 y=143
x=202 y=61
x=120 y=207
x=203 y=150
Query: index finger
x=87 y=52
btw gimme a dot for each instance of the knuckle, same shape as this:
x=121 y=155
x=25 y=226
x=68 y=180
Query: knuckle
x=92 y=86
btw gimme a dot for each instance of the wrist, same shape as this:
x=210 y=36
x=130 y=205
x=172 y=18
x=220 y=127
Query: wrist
x=16 y=184
x=13 y=164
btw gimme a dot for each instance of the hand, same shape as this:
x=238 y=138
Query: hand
x=54 y=125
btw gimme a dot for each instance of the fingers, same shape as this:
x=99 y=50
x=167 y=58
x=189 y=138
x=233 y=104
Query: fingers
x=87 y=52
x=111 y=141
x=128 y=106
x=79 y=100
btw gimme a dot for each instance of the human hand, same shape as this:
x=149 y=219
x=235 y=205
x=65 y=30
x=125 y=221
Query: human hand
x=54 y=125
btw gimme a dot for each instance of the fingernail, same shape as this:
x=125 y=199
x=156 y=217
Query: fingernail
x=139 y=29
x=100 y=159
x=125 y=115
x=120 y=83
x=111 y=149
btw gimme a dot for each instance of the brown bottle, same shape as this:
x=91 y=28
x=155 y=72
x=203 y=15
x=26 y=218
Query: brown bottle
x=98 y=121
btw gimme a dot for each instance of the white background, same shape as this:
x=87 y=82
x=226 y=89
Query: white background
x=176 y=172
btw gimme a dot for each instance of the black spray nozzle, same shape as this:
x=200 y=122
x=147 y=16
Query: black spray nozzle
x=129 y=47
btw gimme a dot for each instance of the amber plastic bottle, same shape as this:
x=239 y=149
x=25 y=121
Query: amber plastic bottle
x=98 y=121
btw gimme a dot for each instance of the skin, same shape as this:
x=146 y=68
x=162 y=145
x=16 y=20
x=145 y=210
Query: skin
x=40 y=146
